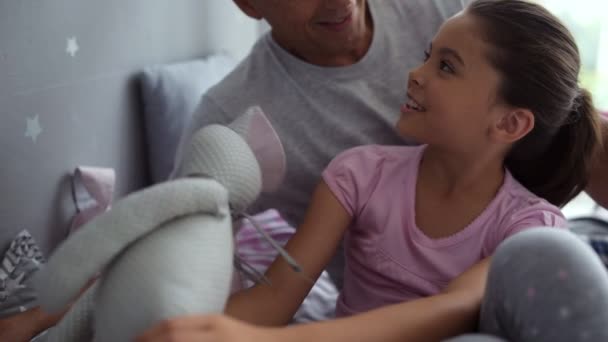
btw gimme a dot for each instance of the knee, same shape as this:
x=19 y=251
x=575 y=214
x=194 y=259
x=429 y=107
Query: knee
x=538 y=239
x=540 y=248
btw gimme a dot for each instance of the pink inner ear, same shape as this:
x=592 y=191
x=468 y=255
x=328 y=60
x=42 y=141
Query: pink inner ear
x=267 y=147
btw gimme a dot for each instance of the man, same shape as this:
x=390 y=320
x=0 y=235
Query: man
x=330 y=75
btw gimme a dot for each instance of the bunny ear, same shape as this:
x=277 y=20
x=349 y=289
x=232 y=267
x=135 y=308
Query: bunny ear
x=263 y=140
x=95 y=244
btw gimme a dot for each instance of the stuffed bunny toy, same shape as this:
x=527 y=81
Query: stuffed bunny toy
x=166 y=250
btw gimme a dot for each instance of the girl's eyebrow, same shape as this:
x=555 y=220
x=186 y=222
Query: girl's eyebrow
x=449 y=51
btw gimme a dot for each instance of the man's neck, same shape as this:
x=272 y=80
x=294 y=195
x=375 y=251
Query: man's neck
x=338 y=59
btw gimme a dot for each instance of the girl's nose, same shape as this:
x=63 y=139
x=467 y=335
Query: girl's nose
x=416 y=77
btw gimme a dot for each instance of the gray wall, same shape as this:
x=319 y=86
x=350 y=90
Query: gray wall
x=88 y=104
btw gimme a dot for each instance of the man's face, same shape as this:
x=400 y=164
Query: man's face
x=315 y=29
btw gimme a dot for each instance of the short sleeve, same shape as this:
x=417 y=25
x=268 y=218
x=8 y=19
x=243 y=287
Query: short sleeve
x=534 y=214
x=351 y=176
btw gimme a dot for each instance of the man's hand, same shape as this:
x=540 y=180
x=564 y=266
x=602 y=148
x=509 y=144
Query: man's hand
x=24 y=326
x=17 y=328
x=216 y=328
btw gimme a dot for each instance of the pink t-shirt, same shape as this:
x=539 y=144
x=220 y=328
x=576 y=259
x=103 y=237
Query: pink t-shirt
x=388 y=258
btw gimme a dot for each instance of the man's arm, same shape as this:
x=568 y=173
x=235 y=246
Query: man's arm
x=24 y=326
x=598 y=184
x=28 y=324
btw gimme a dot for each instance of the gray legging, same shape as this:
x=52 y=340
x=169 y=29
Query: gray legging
x=544 y=285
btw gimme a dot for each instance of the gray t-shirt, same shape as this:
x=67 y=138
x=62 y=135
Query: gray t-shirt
x=319 y=112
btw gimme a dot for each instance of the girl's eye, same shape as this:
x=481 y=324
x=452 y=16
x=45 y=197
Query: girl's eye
x=446 y=67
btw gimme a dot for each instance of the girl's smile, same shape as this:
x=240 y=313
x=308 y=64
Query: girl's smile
x=412 y=106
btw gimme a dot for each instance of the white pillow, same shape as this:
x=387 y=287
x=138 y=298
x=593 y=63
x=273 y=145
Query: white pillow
x=170 y=94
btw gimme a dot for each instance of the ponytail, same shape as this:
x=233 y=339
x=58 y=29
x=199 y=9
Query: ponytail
x=539 y=63
x=562 y=171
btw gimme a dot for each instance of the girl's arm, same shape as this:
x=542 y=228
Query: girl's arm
x=427 y=319
x=312 y=246
x=598 y=184
x=451 y=313
x=435 y=318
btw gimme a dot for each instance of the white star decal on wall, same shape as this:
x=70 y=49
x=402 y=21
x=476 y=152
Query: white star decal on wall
x=33 y=128
x=72 y=46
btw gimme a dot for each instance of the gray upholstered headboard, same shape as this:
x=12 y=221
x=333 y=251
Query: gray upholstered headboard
x=70 y=66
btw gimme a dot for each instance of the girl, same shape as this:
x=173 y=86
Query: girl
x=507 y=137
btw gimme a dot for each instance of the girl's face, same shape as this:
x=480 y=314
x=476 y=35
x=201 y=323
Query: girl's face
x=452 y=97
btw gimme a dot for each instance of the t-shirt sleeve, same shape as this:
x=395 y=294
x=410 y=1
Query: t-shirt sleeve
x=448 y=8
x=532 y=215
x=350 y=177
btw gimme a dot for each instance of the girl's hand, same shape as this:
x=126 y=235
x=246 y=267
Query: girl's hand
x=212 y=328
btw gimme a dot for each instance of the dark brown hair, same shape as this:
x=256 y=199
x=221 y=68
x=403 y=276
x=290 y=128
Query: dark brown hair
x=539 y=62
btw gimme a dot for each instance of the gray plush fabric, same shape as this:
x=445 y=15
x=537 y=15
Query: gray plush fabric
x=165 y=251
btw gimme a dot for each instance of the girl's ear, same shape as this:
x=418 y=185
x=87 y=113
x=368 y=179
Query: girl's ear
x=513 y=125
x=248 y=9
